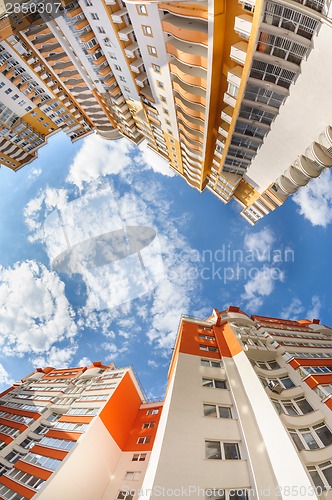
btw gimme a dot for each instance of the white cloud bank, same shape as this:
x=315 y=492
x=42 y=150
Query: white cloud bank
x=297 y=310
x=315 y=200
x=35 y=311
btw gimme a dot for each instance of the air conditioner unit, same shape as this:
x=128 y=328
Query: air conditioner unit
x=275 y=387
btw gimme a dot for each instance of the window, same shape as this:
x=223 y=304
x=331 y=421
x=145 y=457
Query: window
x=15 y=96
x=311 y=438
x=156 y=68
x=160 y=85
x=216 y=411
x=167 y=113
x=9 y=494
x=152 y=412
x=216 y=450
x=88 y=3
x=95 y=16
x=221 y=494
x=168 y=122
x=139 y=457
x=141 y=10
x=216 y=384
x=205 y=337
x=8 y=91
x=125 y=495
x=268 y=365
x=321 y=475
x=132 y=475
x=212 y=363
x=296 y=406
x=101 y=29
x=117 y=67
x=163 y=98
x=208 y=348
x=152 y=50
x=122 y=79
x=26 y=478
x=148 y=425
x=147 y=30
x=41 y=461
x=144 y=440
x=126 y=89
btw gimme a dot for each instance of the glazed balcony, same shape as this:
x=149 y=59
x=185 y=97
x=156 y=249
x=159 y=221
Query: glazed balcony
x=81 y=24
x=196 y=76
x=191 y=94
x=189 y=54
x=192 y=31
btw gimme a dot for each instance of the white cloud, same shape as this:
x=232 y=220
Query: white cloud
x=35 y=311
x=99 y=157
x=153 y=161
x=153 y=363
x=57 y=357
x=260 y=244
x=84 y=362
x=314 y=311
x=5 y=377
x=315 y=200
x=294 y=310
x=260 y=285
x=34 y=174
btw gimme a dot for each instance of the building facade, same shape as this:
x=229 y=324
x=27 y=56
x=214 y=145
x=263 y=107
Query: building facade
x=247 y=415
x=233 y=95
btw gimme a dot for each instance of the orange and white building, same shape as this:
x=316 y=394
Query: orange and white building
x=247 y=415
x=218 y=88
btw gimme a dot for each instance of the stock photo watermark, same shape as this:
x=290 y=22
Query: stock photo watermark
x=228 y=264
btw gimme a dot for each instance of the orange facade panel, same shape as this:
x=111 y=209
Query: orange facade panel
x=49 y=452
x=19 y=488
x=71 y=436
x=13 y=424
x=139 y=431
x=76 y=419
x=23 y=413
x=6 y=439
x=120 y=412
x=33 y=470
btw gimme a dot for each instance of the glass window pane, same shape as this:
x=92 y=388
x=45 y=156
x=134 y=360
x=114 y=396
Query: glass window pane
x=274 y=365
x=216 y=364
x=328 y=474
x=304 y=406
x=231 y=451
x=287 y=383
x=238 y=495
x=278 y=407
x=205 y=362
x=297 y=441
x=215 y=494
x=207 y=382
x=290 y=409
x=325 y=435
x=310 y=440
x=210 y=411
x=220 y=384
x=212 y=450
x=317 y=479
x=224 y=412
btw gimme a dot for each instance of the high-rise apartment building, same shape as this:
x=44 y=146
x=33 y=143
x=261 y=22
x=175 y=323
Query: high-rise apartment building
x=233 y=94
x=247 y=415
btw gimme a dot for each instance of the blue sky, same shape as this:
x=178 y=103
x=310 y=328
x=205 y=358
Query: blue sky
x=202 y=255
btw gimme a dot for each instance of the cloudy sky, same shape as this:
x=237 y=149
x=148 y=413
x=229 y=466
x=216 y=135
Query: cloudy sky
x=102 y=249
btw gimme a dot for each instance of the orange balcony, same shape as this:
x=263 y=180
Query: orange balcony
x=194 y=112
x=189 y=31
x=114 y=91
x=93 y=49
x=110 y=80
x=192 y=125
x=186 y=10
x=73 y=13
x=188 y=54
x=191 y=135
x=196 y=77
x=82 y=23
x=195 y=146
x=88 y=36
x=189 y=95
x=99 y=61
